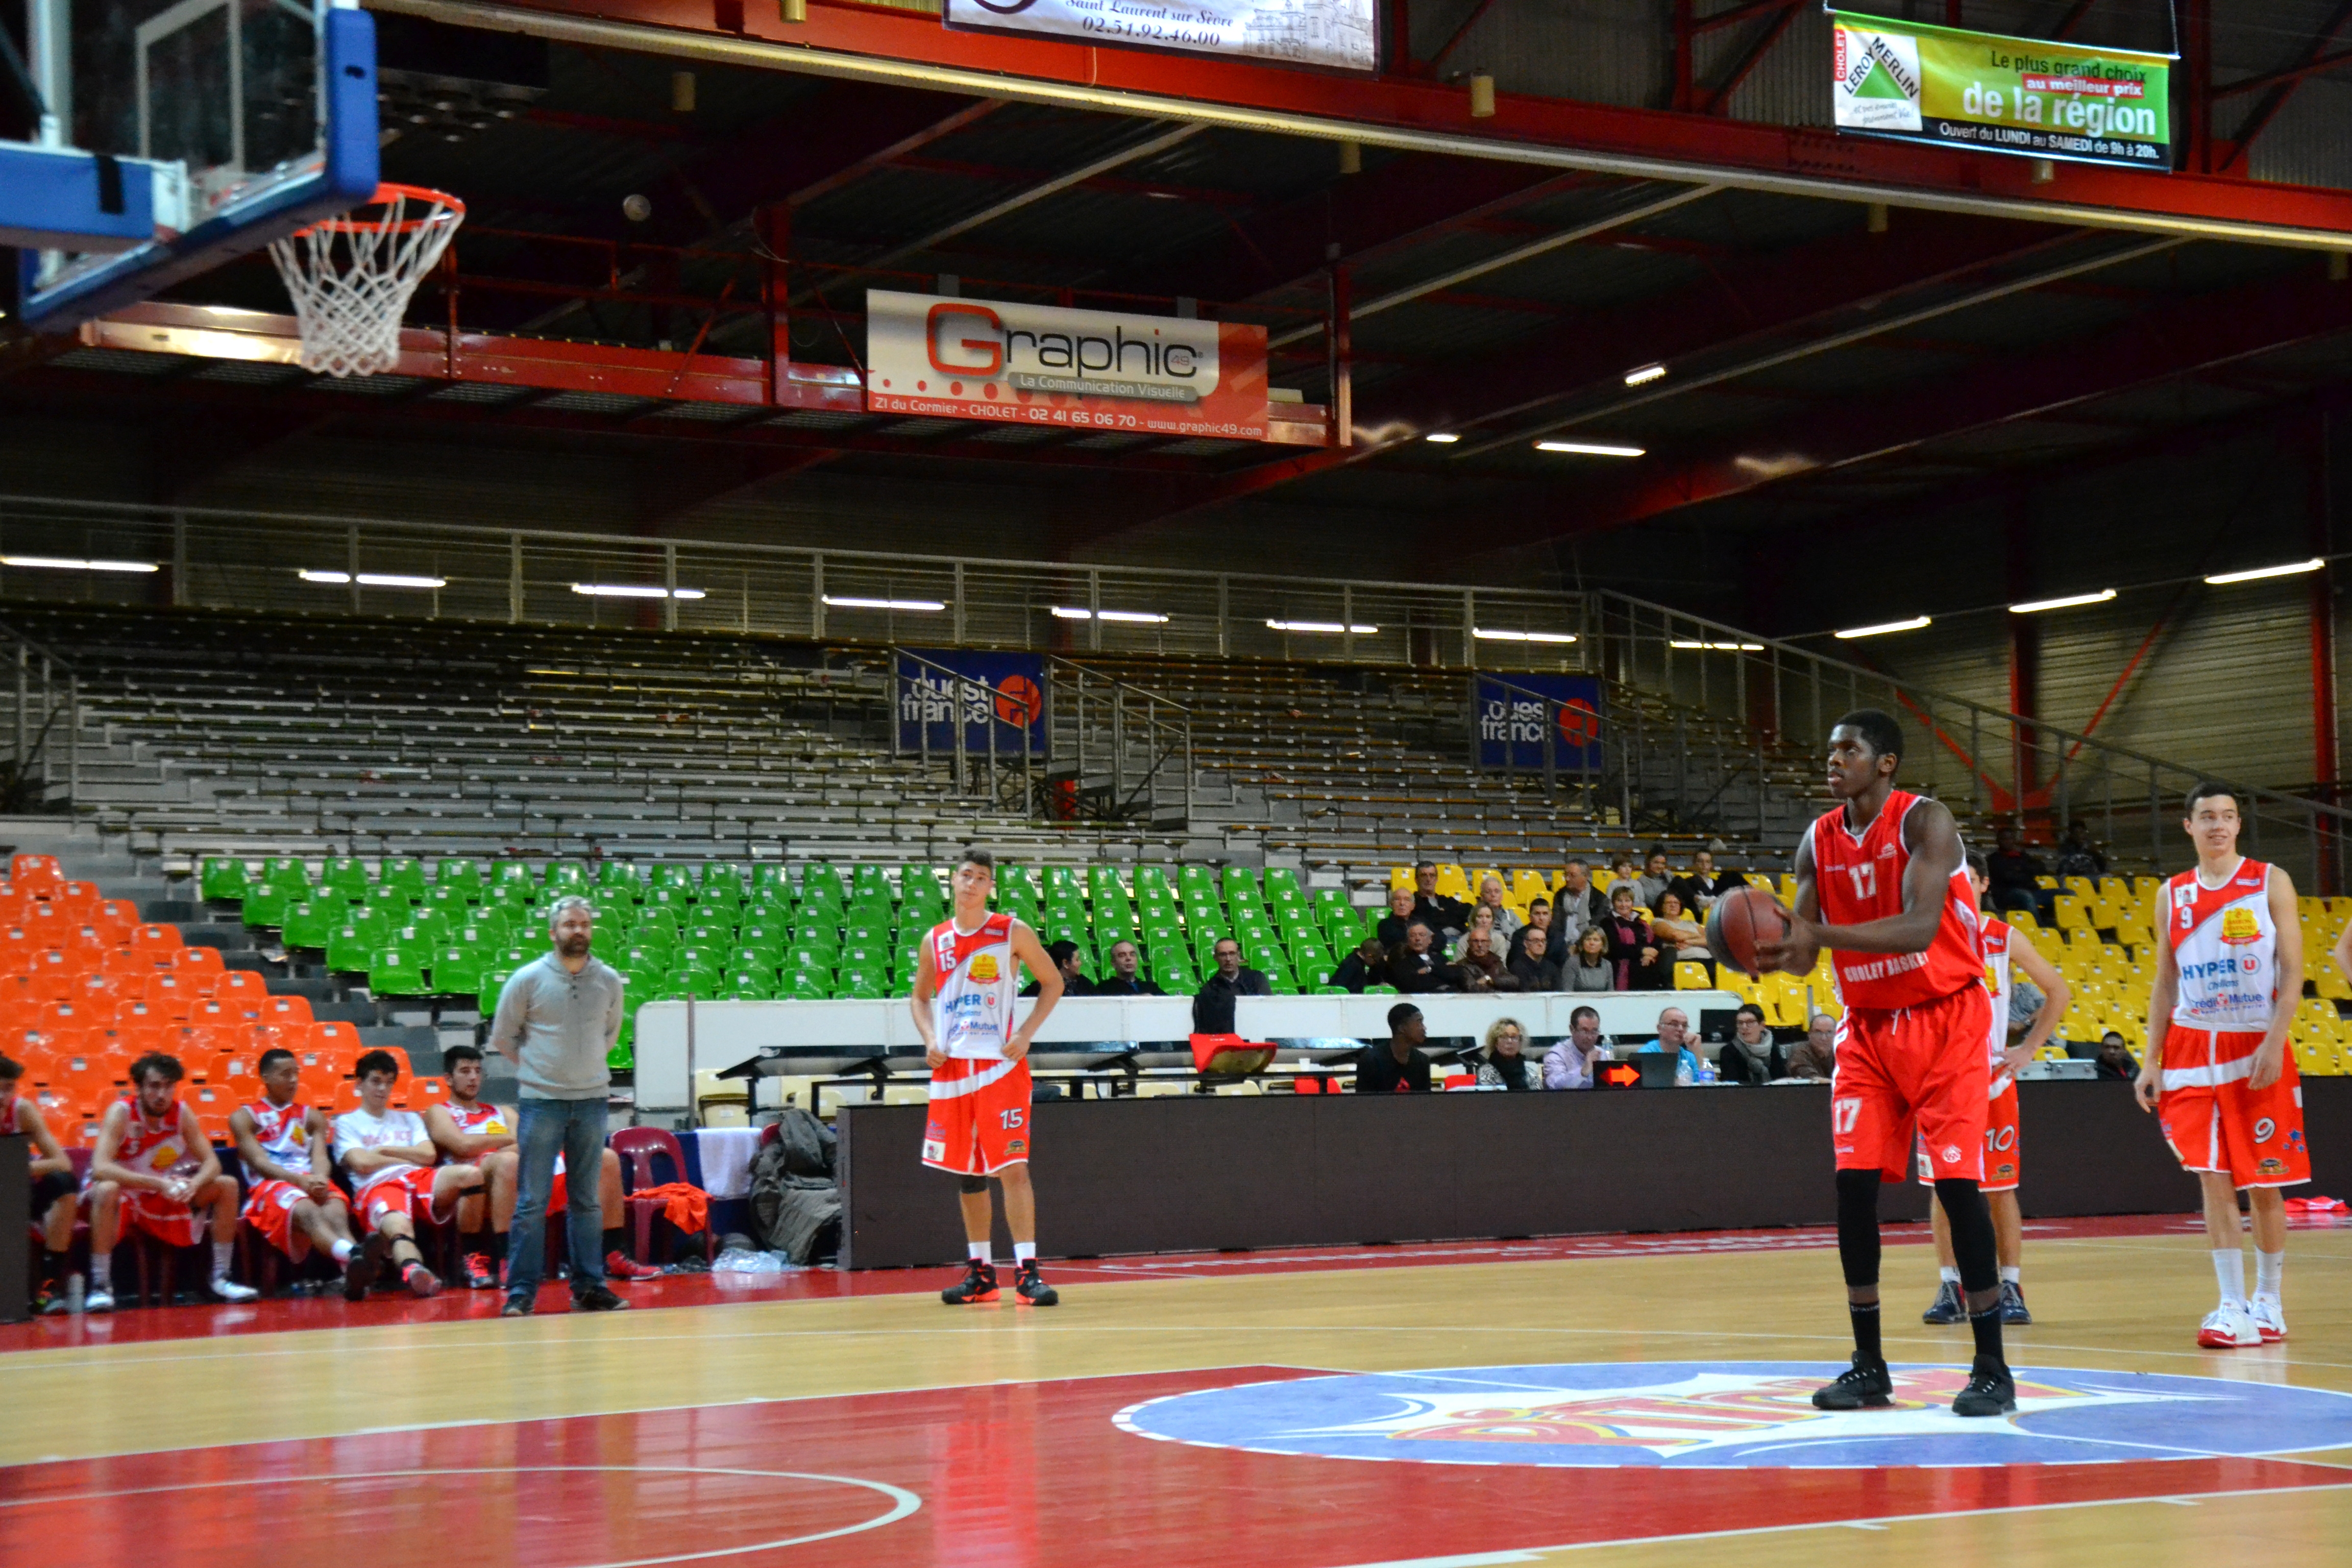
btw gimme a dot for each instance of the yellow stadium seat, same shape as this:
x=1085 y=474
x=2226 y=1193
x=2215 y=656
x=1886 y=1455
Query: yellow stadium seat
x=2331 y=984
x=1451 y=881
x=2070 y=913
x=1527 y=884
x=1400 y=876
x=1691 y=975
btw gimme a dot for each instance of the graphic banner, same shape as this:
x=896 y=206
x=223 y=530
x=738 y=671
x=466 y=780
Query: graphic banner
x=1043 y=364
x=1336 y=33
x=1012 y=702
x=1999 y=94
x=1511 y=723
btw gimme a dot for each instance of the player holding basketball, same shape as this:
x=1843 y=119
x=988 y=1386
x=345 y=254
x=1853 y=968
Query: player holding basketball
x=979 y=1127
x=2003 y=1143
x=2229 y=970
x=285 y=1146
x=154 y=1170
x=1881 y=882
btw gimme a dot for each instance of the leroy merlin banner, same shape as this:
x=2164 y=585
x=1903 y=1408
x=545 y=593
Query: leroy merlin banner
x=2001 y=95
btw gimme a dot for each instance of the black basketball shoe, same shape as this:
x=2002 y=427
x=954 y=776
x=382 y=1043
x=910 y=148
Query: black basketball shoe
x=979 y=1285
x=1991 y=1391
x=1030 y=1290
x=1866 y=1384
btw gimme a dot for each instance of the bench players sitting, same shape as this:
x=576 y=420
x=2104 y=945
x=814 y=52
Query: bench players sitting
x=55 y=1198
x=154 y=1170
x=293 y=1200
x=392 y=1165
x=473 y=1130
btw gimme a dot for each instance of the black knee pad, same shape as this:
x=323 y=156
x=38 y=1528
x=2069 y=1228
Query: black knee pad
x=1857 y=1225
x=1972 y=1238
x=971 y=1184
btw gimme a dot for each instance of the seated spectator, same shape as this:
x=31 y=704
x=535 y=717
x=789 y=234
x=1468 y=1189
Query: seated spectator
x=1415 y=968
x=1678 y=937
x=1126 y=978
x=2077 y=855
x=1590 y=968
x=1674 y=1035
x=1817 y=1058
x=1482 y=919
x=1391 y=930
x=55 y=1196
x=1753 y=1056
x=1623 y=873
x=1538 y=919
x=1491 y=895
x=1653 y=880
x=154 y=1170
x=2013 y=870
x=1064 y=955
x=1212 y=1004
x=1480 y=967
x=1578 y=906
x=2115 y=1058
x=1699 y=887
x=1503 y=1063
x=1534 y=967
x=1630 y=947
x=1569 y=1065
x=1444 y=915
x=1395 y=1067
x=1368 y=965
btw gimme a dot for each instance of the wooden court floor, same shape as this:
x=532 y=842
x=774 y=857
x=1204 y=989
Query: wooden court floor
x=1187 y=1410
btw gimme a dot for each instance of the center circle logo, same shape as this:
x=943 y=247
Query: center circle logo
x=1742 y=1415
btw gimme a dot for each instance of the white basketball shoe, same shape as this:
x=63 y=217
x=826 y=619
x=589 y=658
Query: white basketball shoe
x=2270 y=1317
x=2228 y=1327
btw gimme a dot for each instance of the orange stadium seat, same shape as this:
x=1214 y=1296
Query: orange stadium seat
x=285 y=1010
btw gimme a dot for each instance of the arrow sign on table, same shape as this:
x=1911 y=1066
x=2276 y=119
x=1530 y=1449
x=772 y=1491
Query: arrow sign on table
x=1621 y=1075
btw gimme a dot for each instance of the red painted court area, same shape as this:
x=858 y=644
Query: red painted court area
x=997 y=1474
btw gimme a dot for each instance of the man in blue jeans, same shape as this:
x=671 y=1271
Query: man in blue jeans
x=557 y=1019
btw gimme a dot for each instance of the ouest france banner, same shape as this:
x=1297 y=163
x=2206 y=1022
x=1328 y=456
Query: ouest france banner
x=1999 y=94
x=1333 y=33
x=1045 y=364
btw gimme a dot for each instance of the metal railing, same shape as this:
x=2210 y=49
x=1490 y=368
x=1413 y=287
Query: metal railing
x=967 y=700
x=48 y=697
x=1130 y=738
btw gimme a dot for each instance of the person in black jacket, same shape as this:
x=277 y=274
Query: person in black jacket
x=1212 y=1004
x=1368 y=965
x=1123 y=980
x=1396 y=1067
x=1753 y=1056
x=1415 y=967
x=1391 y=927
x=1064 y=955
x=1699 y=887
x=1536 y=967
x=1576 y=906
x=1443 y=914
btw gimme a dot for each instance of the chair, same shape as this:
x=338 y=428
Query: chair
x=637 y=1147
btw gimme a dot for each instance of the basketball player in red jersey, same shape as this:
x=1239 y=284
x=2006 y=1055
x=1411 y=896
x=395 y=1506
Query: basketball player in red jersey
x=979 y=1126
x=154 y=1170
x=2229 y=973
x=1882 y=883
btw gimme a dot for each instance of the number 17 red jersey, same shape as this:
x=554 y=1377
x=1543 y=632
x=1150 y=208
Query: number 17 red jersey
x=1859 y=878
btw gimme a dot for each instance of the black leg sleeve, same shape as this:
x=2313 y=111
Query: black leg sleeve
x=1857 y=1211
x=1972 y=1238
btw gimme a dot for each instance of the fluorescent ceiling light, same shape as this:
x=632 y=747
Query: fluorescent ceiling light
x=1721 y=646
x=61 y=564
x=1331 y=627
x=635 y=591
x=374 y=579
x=2219 y=578
x=1591 y=448
x=1442 y=437
x=1492 y=635
x=2067 y=603
x=1132 y=617
x=1913 y=625
x=1642 y=375
x=848 y=602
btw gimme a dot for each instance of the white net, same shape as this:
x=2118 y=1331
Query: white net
x=351 y=276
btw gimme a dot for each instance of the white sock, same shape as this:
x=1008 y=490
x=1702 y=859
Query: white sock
x=2009 y=1273
x=2270 y=1268
x=978 y=1250
x=340 y=1251
x=101 y=1271
x=2230 y=1269
x=1024 y=1252
x=222 y=1252
x=1948 y=1275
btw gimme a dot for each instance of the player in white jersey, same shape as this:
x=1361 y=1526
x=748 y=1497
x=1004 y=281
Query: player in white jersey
x=291 y=1197
x=392 y=1165
x=979 y=1125
x=2229 y=974
x=2004 y=1153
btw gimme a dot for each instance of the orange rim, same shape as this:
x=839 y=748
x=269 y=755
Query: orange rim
x=448 y=209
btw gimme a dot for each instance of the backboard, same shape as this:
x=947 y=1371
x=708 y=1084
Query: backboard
x=237 y=121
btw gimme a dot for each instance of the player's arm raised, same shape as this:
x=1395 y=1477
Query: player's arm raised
x=1031 y=952
x=2270 y=1057
x=2057 y=996
x=2161 y=992
x=919 y=1003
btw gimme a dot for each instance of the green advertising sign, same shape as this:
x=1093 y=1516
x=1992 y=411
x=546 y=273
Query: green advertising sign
x=2001 y=95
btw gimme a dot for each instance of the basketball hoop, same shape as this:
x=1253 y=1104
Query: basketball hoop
x=351 y=276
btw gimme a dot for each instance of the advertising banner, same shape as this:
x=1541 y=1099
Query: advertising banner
x=1335 y=33
x=1999 y=94
x=1043 y=364
x=1511 y=723
x=1010 y=699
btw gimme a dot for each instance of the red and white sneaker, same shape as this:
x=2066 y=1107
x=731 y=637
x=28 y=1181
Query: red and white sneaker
x=2270 y=1318
x=2228 y=1327
x=620 y=1266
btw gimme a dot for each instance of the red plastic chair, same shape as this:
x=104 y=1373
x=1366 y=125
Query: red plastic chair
x=636 y=1146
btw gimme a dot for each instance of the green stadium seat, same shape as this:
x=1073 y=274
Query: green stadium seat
x=286 y=872
x=222 y=881
x=310 y=923
x=805 y=986
x=347 y=877
x=567 y=875
x=459 y=872
x=396 y=971
x=622 y=877
x=670 y=874
x=750 y=985
x=512 y=872
x=1330 y=991
x=458 y=970
x=405 y=874
x=352 y=947
x=383 y=896
x=265 y=902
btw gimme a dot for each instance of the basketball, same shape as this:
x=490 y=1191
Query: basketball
x=1741 y=919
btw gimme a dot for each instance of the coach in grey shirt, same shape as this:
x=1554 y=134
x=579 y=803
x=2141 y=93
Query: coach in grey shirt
x=558 y=1018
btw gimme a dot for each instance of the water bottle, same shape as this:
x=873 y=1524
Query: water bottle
x=1707 y=1073
x=73 y=1294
